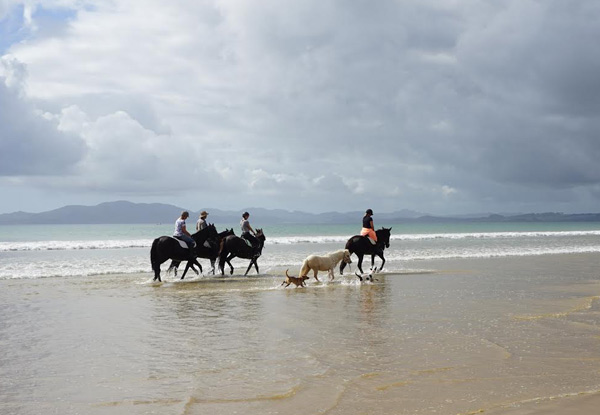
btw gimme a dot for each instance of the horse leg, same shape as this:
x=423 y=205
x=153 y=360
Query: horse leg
x=173 y=267
x=187 y=266
x=222 y=264
x=212 y=264
x=190 y=264
x=256 y=265
x=330 y=273
x=156 y=268
x=359 y=264
x=249 y=266
x=199 y=266
x=316 y=271
x=382 y=260
x=228 y=260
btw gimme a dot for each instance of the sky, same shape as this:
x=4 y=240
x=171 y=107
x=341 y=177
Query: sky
x=441 y=107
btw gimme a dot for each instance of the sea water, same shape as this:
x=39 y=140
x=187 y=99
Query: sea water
x=38 y=251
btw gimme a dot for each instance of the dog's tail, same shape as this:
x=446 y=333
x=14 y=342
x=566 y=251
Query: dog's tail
x=286 y=274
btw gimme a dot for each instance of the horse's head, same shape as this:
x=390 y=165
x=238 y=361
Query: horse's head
x=226 y=233
x=212 y=231
x=346 y=259
x=383 y=236
x=207 y=234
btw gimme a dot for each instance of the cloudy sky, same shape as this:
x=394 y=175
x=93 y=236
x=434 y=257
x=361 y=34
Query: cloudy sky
x=444 y=107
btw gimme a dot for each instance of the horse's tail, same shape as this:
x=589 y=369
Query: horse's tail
x=222 y=253
x=305 y=268
x=154 y=260
x=349 y=245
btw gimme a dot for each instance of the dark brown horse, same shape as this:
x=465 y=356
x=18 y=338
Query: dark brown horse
x=167 y=247
x=361 y=246
x=210 y=252
x=234 y=246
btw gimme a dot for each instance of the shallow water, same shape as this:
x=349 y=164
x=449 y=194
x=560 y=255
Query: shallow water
x=439 y=336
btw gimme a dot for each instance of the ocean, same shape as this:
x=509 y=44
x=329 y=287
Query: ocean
x=464 y=318
x=40 y=251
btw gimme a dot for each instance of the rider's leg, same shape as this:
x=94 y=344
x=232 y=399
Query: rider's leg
x=191 y=245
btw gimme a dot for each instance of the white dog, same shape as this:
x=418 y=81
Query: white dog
x=324 y=263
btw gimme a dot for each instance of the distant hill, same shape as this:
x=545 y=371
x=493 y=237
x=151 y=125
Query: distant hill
x=128 y=212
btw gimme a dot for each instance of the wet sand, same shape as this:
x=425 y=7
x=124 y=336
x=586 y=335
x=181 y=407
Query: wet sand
x=504 y=336
x=580 y=404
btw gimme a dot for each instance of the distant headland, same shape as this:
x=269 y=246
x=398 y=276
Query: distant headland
x=127 y=212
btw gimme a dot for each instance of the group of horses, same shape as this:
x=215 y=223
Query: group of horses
x=225 y=245
x=211 y=245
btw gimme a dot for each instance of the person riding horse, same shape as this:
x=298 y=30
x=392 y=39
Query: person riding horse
x=247 y=229
x=367 y=228
x=201 y=223
x=182 y=233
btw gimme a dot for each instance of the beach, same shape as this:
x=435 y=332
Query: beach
x=504 y=335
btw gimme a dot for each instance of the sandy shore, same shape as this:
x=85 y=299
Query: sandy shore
x=580 y=404
x=499 y=336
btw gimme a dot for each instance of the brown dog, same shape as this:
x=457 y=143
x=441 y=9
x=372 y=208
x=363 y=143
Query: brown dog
x=299 y=281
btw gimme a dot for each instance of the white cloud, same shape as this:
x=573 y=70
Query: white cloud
x=277 y=104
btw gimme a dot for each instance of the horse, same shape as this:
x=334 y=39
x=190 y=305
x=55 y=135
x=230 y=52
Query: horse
x=167 y=247
x=210 y=252
x=327 y=263
x=361 y=245
x=234 y=246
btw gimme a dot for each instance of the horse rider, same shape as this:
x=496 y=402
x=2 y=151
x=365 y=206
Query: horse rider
x=182 y=233
x=201 y=224
x=247 y=232
x=367 y=227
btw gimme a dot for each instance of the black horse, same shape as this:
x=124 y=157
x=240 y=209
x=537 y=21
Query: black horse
x=210 y=252
x=361 y=246
x=167 y=247
x=234 y=246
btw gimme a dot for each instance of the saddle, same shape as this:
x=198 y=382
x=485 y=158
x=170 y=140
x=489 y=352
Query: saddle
x=371 y=240
x=247 y=242
x=183 y=244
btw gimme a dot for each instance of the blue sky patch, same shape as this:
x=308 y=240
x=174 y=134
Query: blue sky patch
x=13 y=29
